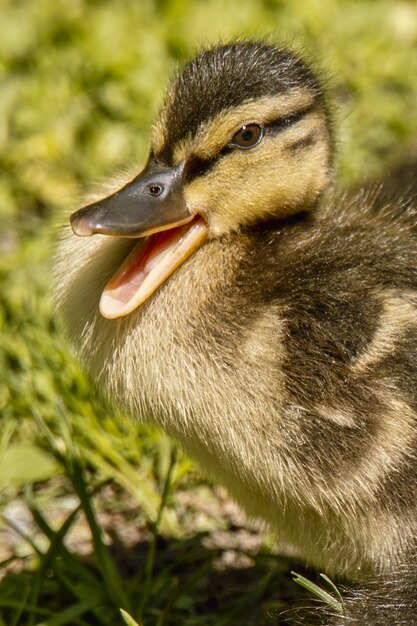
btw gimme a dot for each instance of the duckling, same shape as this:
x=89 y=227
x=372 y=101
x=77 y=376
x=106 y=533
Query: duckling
x=266 y=321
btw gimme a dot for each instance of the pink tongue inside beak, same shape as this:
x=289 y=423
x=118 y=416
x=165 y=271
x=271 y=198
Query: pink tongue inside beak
x=149 y=264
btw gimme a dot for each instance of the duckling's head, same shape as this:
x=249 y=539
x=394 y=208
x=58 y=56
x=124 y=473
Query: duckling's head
x=243 y=137
x=249 y=124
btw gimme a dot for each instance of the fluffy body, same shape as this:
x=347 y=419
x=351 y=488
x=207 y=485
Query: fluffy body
x=282 y=353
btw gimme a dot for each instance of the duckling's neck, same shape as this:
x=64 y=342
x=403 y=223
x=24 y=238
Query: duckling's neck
x=187 y=357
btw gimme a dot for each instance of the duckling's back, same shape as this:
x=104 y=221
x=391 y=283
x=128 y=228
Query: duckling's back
x=345 y=282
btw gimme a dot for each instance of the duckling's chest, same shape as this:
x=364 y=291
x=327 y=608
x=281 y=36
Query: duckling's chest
x=199 y=361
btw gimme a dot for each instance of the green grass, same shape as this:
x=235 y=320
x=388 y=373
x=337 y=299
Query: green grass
x=99 y=514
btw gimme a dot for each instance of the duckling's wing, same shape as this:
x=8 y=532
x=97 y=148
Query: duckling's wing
x=394 y=196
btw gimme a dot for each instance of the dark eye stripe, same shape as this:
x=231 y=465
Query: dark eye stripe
x=283 y=123
x=304 y=142
x=197 y=166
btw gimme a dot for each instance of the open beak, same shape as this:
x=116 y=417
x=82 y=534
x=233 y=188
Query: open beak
x=151 y=207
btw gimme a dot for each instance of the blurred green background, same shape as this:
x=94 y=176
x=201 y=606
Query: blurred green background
x=80 y=82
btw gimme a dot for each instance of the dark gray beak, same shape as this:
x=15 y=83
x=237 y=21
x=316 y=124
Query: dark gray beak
x=151 y=202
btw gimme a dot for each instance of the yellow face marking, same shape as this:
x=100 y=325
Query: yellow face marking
x=272 y=178
x=267 y=180
x=216 y=133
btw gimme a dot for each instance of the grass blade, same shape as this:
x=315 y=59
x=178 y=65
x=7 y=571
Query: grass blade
x=128 y=618
x=150 y=560
x=320 y=593
x=105 y=562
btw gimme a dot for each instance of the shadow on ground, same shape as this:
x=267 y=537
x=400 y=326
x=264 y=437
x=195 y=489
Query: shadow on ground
x=190 y=585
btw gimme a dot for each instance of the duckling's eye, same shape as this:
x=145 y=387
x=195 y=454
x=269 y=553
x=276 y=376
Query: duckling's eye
x=248 y=136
